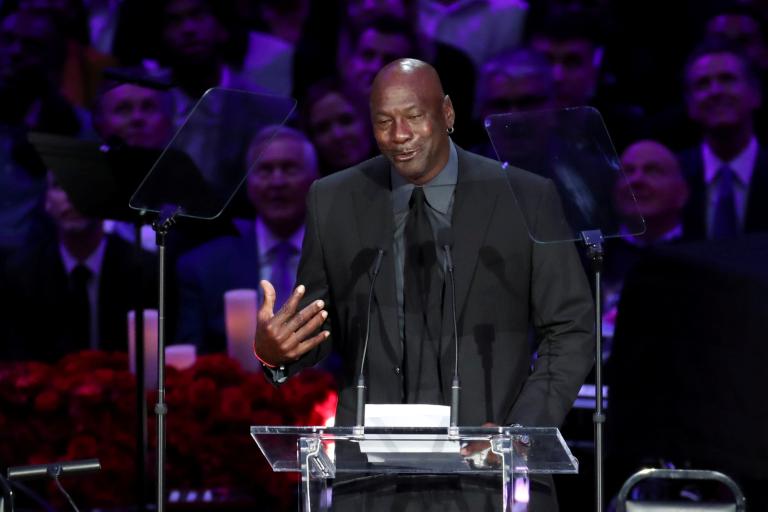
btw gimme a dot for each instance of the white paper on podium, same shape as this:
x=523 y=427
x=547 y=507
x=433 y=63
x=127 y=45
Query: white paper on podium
x=402 y=449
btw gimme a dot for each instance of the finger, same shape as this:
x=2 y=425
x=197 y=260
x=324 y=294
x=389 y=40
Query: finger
x=311 y=326
x=305 y=315
x=289 y=308
x=307 y=345
x=267 y=307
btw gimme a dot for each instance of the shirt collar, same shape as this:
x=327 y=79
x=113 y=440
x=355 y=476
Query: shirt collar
x=92 y=262
x=266 y=240
x=742 y=165
x=438 y=191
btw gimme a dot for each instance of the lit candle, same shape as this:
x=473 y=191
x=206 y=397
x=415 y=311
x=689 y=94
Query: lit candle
x=150 y=346
x=180 y=356
x=240 y=317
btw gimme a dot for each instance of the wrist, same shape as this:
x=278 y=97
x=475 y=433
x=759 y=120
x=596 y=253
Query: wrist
x=262 y=361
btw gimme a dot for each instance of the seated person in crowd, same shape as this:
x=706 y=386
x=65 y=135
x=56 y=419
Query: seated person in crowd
x=513 y=81
x=655 y=189
x=575 y=47
x=126 y=114
x=32 y=52
x=72 y=291
x=728 y=171
x=337 y=125
x=267 y=248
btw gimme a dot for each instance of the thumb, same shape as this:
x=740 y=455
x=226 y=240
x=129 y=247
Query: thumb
x=268 y=306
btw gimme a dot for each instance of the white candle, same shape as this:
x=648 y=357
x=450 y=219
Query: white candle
x=150 y=346
x=240 y=317
x=180 y=356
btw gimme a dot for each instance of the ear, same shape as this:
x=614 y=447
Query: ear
x=449 y=116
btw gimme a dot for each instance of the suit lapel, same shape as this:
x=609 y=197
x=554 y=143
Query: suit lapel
x=757 y=202
x=695 y=212
x=375 y=227
x=476 y=194
x=477 y=191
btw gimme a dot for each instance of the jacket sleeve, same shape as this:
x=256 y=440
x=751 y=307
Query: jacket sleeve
x=563 y=316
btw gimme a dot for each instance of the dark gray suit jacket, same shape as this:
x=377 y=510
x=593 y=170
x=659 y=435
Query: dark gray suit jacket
x=695 y=212
x=504 y=284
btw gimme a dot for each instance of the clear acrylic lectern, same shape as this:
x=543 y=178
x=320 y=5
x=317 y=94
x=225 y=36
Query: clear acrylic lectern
x=321 y=454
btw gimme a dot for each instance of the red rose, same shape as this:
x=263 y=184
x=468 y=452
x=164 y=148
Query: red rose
x=47 y=401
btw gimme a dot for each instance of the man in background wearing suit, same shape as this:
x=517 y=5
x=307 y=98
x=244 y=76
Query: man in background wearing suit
x=71 y=291
x=728 y=172
x=267 y=247
x=504 y=284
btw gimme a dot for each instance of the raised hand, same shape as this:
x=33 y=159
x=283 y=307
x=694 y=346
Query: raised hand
x=285 y=336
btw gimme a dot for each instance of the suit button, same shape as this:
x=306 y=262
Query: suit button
x=397 y=370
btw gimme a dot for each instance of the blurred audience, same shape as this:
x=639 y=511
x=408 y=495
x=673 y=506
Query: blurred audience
x=728 y=172
x=574 y=46
x=83 y=66
x=269 y=58
x=337 y=125
x=133 y=116
x=32 y=53
x=514 y=81
x=479 y=28
x=196 y=45
x=72 y=290
x=266 y=248
x=653 y=187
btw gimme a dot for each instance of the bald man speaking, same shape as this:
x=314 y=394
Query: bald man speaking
x=506 y=287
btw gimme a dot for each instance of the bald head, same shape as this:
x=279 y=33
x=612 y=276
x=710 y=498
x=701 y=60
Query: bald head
x=654 y=186
x=412 y=72
x=411 y=116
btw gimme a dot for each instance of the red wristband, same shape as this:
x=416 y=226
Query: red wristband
x=263 y=361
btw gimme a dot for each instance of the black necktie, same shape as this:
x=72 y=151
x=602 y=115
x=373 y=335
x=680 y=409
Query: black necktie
x=81 y=306
x=421 y=300
x=725 y=221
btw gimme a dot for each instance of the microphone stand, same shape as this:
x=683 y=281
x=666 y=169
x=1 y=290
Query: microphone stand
x=453 y=429
x=141 y=393
x=166 y=219
x=358 y=429
x=7 y=495
x=593 y=241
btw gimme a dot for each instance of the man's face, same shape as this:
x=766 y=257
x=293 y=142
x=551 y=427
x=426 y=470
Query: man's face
x=653 y=173
x=192 y=32
x=410 y=119
x=743 y=31
x=136 y=115
x=574 y=68
x=505 y=94
x=719 y=92
x=26 y=55
x=279 y=182
x=339 y=131
x=374 y=50
x=66 y=218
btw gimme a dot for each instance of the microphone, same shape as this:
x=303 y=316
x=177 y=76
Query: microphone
x=55 y=469
x=360 y=409
x=445 y=241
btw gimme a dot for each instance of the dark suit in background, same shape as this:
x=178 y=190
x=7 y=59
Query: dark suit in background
x=38 y=304
x=204 y=274
x=695 y=213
